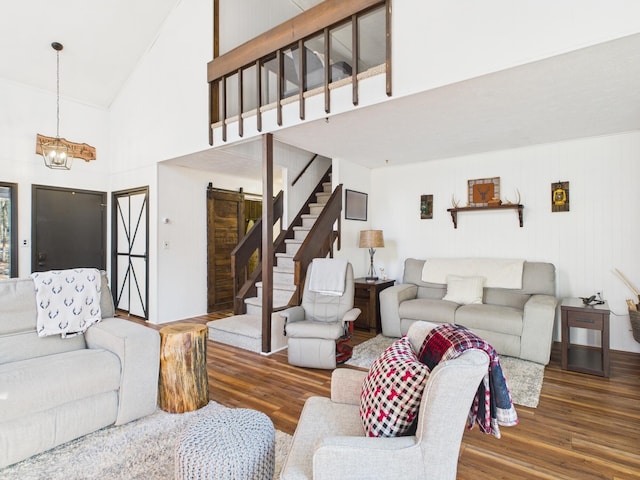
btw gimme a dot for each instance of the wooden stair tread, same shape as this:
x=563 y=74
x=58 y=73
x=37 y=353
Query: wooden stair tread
x=280 y=286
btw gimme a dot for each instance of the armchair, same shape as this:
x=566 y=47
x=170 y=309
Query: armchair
x=324 y=318
x=329 y=441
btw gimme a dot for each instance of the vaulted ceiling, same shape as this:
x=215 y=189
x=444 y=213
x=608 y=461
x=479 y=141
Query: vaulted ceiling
x=588 y=92
x=103 y=41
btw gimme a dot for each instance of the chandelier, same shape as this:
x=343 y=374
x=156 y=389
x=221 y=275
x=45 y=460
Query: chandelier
x=57 y=152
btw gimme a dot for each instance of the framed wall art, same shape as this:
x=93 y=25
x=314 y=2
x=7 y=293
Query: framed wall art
x=482 y=190
x=560 y=197
x=355 y=205
x=426 y=207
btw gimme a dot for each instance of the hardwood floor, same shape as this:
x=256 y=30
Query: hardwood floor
x=585 y=427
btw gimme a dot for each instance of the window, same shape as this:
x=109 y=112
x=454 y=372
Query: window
x=8 y=230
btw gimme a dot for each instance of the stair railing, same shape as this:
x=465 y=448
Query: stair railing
x=295 y=180
x=244 y=282
x=319 y=242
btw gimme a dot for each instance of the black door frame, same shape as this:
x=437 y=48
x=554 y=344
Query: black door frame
x=116 y=291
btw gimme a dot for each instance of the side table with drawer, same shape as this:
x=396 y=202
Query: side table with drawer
x=582 y=358
x=366 y=299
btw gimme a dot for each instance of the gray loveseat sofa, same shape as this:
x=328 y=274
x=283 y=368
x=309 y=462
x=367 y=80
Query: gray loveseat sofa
x=518 y=322
x=53 y=389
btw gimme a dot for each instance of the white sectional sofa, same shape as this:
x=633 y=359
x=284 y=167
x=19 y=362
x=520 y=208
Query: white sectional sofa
x=516 y=317
x=53 y=389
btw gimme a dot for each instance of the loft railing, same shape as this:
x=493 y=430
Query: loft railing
x=319 y=241
x=334 y=41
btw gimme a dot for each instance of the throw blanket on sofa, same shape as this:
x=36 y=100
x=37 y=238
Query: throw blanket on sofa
x=498 y=272
x=67 y=301
x=492 y=405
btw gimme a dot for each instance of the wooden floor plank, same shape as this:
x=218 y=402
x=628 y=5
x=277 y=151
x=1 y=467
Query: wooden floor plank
x=585 y=427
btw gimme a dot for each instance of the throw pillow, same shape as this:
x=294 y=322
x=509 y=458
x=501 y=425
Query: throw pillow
x=464 y=290
x=391 y=392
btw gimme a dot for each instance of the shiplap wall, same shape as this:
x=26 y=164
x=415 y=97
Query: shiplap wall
x=598 y=234
x=242 y=21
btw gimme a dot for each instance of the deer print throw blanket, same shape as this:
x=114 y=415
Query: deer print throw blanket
x=67 y=301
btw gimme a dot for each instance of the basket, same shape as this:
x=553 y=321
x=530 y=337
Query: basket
x=634 y=317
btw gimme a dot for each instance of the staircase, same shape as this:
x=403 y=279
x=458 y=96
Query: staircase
x=283 y=283
x=245 y=331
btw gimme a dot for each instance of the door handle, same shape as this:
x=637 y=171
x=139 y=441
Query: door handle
x=41 y=258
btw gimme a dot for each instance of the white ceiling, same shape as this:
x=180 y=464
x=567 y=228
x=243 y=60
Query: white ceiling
x=103 y=40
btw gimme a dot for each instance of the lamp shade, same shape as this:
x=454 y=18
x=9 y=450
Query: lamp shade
x=371 y=239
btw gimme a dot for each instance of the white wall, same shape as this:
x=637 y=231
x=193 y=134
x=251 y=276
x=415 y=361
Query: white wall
x=358 y=178
x=26 y=111
x=598 y=234
x=242 y=21
x=182 y=267
x=436 y=43
x=293 y=160
x=161 y=114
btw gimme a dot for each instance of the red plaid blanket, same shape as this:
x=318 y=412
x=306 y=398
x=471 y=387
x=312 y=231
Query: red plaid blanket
x=492 y=405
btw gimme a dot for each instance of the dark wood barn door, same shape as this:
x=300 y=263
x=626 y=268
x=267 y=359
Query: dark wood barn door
x=225 y=227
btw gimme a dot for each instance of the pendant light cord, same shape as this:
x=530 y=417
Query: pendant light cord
x=57 y=94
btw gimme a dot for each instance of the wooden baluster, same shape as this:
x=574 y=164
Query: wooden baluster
x=355 y=54
x=240 y=105
x=302 y=76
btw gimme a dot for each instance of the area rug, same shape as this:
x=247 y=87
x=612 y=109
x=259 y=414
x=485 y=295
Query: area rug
x=139 y=450
x=524 y=378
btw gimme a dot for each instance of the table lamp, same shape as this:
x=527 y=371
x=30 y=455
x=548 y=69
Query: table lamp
x=371 y=239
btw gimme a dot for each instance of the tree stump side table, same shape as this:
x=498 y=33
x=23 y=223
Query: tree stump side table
x=183 y=384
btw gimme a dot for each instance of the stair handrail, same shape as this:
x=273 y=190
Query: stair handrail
x=318 y=242
x=295 y=180
x=244 y=283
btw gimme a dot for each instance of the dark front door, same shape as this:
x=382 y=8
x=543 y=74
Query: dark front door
x=68 y=229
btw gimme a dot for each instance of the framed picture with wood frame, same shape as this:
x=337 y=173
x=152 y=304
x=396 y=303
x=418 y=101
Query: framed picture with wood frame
x=482 y=190
x=426 y=207
x=355 y=205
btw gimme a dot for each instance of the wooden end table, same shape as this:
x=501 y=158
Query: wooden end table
x=582 y=358
x=183 y=384
x=366 y=299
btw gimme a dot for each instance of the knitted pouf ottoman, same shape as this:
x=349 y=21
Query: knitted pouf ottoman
x=233 y=444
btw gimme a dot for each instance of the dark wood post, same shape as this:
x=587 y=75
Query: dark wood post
x=267 y=239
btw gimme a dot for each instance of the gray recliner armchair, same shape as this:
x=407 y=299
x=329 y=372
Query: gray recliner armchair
x=318 y=330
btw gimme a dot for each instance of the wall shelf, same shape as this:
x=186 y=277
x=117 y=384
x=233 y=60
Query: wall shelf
x=454 y=211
